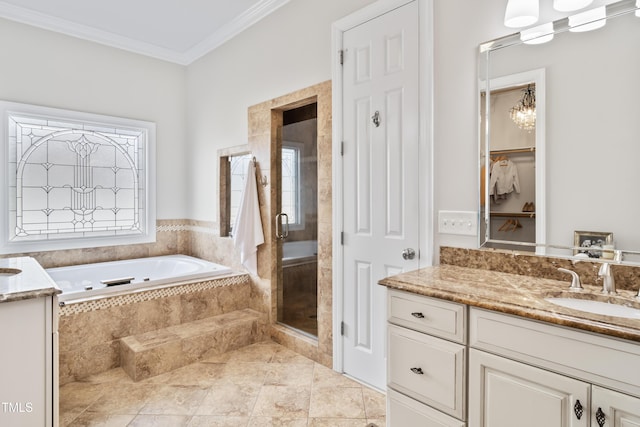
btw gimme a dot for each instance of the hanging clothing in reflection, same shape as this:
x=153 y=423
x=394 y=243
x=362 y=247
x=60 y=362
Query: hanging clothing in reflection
x=504 y=178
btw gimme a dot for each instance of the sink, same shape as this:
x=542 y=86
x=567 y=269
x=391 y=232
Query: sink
x=4 y=272
x=597 y=307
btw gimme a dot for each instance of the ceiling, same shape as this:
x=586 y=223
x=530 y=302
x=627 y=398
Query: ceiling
x=179 y=31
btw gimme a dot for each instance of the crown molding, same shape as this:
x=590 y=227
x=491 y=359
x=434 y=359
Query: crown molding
x=245 y=20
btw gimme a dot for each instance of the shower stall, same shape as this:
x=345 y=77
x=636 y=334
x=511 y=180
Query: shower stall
x=297 y=221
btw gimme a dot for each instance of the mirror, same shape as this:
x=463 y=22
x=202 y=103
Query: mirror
x=585 y=146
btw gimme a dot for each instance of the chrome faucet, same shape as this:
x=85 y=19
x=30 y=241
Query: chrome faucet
x=576 y=286
x=608 y=282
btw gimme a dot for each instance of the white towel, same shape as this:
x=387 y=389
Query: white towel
x=247 y=231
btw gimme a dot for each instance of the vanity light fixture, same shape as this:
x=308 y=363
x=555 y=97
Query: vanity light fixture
x=539 y=34
x=521 y=13
x=524 y=112
x=588 y=20
x=570 y=5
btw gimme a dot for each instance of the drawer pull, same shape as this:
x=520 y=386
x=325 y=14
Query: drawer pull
x=578 y=409
x=417 y=315
x=600 y=417
x=417 y=371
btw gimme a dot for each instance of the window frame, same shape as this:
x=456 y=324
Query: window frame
x=146 y=190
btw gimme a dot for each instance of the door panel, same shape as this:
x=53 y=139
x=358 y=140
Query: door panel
x=380 y=178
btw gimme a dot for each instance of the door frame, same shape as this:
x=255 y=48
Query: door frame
x=425 y=215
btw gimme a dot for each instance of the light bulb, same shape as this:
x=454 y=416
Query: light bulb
x=521 y=13
x=538 y=35
x=638 y=10
x=570 y=5
x=589 y=20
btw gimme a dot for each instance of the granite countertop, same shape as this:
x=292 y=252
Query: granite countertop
x=23 y=278
x=518 y=295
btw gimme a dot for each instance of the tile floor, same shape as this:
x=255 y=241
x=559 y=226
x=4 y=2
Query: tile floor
x=264 y=384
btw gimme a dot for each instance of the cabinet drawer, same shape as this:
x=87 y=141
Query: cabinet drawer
x=404 y=411
x=428 y=369
x=433 y=316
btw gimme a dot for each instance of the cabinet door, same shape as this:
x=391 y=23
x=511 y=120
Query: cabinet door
x=612 y=409
x=403 y=411
x=504 y=393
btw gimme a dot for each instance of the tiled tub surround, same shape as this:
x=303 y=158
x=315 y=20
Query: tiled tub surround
x=171 y=323
x=515 y=294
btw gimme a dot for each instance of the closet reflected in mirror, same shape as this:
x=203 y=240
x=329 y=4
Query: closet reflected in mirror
x=509 y=148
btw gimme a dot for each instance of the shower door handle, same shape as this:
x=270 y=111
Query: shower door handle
x=280 y=234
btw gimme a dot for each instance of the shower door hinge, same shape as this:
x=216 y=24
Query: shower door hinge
x=342 y=328
x=341 y=53
x=342 y=238
x=342 y=148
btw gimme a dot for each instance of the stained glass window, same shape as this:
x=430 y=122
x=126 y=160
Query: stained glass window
x=71 y=179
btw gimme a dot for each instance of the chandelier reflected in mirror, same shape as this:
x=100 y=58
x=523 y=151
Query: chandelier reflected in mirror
x=524 y=112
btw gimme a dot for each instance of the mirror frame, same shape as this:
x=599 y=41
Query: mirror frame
x=483 y=63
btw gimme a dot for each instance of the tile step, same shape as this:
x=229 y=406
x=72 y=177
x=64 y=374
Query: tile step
x=152 y=353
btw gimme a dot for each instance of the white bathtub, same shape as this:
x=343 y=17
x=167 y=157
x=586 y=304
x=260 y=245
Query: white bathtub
x=79 y=282
x=294 y=253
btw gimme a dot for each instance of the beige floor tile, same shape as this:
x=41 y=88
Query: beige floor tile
x=75 y=397
x=284 y=355
x=263 y=384
x=196 y=374
x=281 y=402
x=325 y=377
x=337 y=422
x=377 y=422
x=217 y=421
x=174 y=400
x=122 y=398
x=245 y=373
x=277 y=422
x=229 y=399
x=160 y=421
x=336 y=403
x=375 y=403
x=287 y=374
x=101 y=420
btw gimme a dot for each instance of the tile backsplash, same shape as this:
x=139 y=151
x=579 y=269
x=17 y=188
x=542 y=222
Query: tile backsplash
x=527 y=264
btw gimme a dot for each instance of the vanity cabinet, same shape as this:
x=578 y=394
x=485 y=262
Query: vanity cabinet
x=27 y=382
x=427 y=357
x=528 y=373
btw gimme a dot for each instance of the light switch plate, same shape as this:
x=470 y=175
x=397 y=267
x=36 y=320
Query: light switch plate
x=458 y=222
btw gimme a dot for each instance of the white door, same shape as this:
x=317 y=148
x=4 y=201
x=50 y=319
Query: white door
x=504 y=393
x=380 y=179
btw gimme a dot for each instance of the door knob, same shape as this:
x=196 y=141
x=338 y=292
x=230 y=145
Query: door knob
x=408 y=253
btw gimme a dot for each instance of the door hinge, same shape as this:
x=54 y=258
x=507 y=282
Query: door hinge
x=342 y=148
x=341 y=54
x=342 y=237
x=342 y=328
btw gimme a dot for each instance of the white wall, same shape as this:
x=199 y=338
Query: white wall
x=287 y=51
x=44 y=68
x=460 y=26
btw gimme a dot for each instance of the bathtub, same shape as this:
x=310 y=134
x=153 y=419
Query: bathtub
x=86 y=281
x=300 y=252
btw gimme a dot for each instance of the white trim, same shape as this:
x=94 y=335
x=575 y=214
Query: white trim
x=249 y=17
x=426 y=146
x=245 y=20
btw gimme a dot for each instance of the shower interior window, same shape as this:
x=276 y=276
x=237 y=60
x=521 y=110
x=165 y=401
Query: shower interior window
x=74 y=179
x=291 y=178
